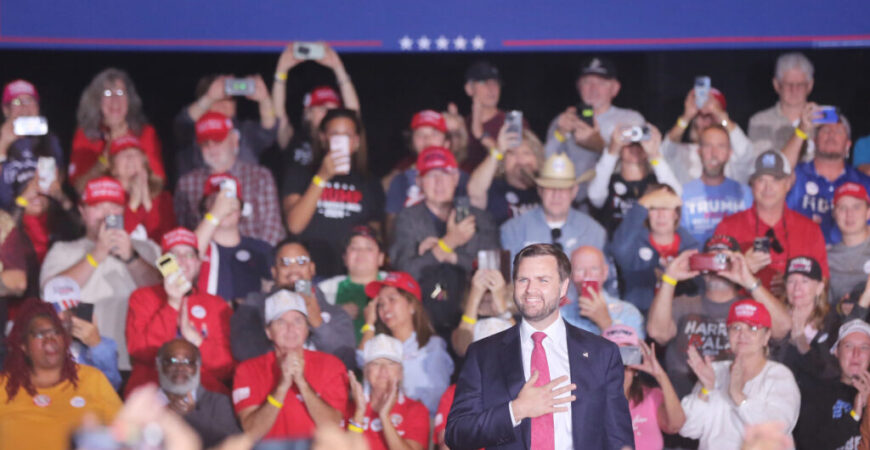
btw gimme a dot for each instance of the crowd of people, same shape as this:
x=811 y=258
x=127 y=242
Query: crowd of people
x=281 y=291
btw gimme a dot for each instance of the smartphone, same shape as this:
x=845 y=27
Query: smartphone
x=302 y=287
x=488 y=260
x=46 y=170
x=514 y=122
x=84 y=311
x=339 y=146
x=702 y=91
x=586 y=113
x=761 y=244
x=631 y=355
x=586 y=284
x=30 y=126
x=229 y=186
x=115 y=222
x=825 y=114
x=167 y=264
x=308 y=50
x=463 y=208
x=637 y=133
x=239 y=87
x=709 y=262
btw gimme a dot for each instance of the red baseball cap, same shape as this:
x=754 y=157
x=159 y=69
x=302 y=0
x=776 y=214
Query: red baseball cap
x=213 y=126
x=123 y=143
x=214 y=181
x=321 y=95
x=851 y=189
x=429 y=118
x=104 y=189
x=749 y=311
x=719 y=96
x=399 y=280
x=178 y=236
x=435 y=158
x=18 y=88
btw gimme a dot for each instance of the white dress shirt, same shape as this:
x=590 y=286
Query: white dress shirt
x=556 y=348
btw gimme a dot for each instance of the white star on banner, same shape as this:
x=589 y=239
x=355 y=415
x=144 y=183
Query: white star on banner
x=424 y=43
x=459 y=43
x=442 y=43
x=478 y=42
x=406 y=43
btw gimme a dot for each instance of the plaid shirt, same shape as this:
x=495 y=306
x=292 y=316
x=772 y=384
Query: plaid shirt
x=257 y=188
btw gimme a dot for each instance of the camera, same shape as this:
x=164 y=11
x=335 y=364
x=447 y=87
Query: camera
x=115 y=222
x=637 y=133
x=631 y=355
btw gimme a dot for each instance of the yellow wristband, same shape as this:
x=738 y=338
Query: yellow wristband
x=496 y=154
x=21 y=201
x=705 y=391
x=366 y=327
x=855 y=415
x=468 y=320
x=800 y=133
x=92 y=261
x=317 y=181
x=682 y=123
x=558 y=136
x=443 y=246
x=654 y=162
x=281 y=76
x=354 y=428
x=212 y=219
x=670 y=280
x=274 y=402
x=103 y=160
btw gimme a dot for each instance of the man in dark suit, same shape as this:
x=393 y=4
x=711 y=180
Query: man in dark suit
x=541 y=384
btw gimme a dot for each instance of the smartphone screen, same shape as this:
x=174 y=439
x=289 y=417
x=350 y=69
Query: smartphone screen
x=167 y=264
x=586 y=113
x=587 y=284
x=463 y=208
x=702 y=91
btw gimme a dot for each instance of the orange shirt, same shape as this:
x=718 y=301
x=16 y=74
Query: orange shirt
x=47 y=420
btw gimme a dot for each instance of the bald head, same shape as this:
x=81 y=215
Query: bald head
x=588 y=263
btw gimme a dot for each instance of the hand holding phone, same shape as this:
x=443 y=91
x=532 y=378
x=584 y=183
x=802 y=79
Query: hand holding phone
x=514 y=123
x=30 y=126
x=586 y=113
x=826 y=114
x=46 y=170
x=339 y=151
x=631 y=355
x=240 y=87
x=115 y=222
x=702 y=91
x=308 y=50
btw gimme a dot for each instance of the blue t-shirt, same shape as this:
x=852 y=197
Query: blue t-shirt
x=704 y=206
x=404 y=192
x=242 y=267
x=813 y=195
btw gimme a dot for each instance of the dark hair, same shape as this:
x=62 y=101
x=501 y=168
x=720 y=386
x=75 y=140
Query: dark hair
x=422 y=325
x=285 y=242
x=544 y=250
x=360 y=159
x=17 y=366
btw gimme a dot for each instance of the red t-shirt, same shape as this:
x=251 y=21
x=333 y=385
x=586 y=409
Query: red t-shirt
x=443 y=409
x=409 y=417
x=85 y=152
x=36 y=228
x=151 y=322
x=257 y=377
x=798 y=235
x=16 y=253
x=667 y=252
x=157 y=222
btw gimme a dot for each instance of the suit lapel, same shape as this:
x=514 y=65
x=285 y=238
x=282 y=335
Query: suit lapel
x=579 y=370
x=512 y=353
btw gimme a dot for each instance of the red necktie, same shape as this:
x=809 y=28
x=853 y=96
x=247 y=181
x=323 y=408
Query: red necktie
x=543 y=436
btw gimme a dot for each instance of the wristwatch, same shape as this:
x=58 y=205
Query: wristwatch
x=133 y=255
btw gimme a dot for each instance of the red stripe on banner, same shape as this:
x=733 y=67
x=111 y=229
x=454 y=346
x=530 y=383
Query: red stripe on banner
x=173 y=42
x=687 y=40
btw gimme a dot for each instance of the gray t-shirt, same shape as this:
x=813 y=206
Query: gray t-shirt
x=700 y=323
x=849 y=266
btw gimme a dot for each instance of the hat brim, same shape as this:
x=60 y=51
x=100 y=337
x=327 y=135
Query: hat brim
x=775 y=173
x=555 y=183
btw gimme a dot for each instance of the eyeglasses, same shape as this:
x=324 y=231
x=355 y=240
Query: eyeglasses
x=741 y=327
x=555 y=235
x=300 y=260
x=114 y=93
x=774 y=242
x=45 y=334
x=185 y=362
x=795 y=86
x=23 y=102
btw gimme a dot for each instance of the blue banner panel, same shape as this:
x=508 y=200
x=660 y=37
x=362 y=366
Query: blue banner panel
x=434 y=26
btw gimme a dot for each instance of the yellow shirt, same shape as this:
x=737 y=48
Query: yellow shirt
x=47 y=420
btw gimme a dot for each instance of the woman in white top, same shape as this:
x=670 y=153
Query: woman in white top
x=730 y=395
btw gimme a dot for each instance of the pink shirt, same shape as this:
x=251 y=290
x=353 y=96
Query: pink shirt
x=644 y=420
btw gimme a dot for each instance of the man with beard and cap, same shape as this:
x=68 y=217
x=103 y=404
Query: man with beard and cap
x=210 y=414
x=713 y=195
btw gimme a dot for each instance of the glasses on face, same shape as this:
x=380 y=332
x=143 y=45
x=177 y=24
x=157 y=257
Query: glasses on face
x=742 y=327
x=555 y=235
x=45 y=334
x=775 y=245
x=183 y=362
x=114 y=93
x=795 y=86
x=287 y=261
x=23 y=102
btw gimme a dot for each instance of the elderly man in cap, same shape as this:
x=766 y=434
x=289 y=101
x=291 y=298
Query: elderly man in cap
x=209 y=413
x=289 y=391
x=554 y=221
x=219 y=140
x=383 y=414
x=769 y=232
x=831 y=410
x=174 y=307
x=87 y=345
x=330 y=328
x=107 y=262
x=584 y=133
x=849 y=260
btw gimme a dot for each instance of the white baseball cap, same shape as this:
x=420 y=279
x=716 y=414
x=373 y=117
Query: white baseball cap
x=282 y=301
x=852 y=326
x=485 y=328
x=63 y=292
x=382 y=346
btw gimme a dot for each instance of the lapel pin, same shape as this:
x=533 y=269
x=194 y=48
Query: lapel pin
x=585 y=354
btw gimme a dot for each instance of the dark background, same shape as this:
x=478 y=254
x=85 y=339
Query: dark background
x=394 y=86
